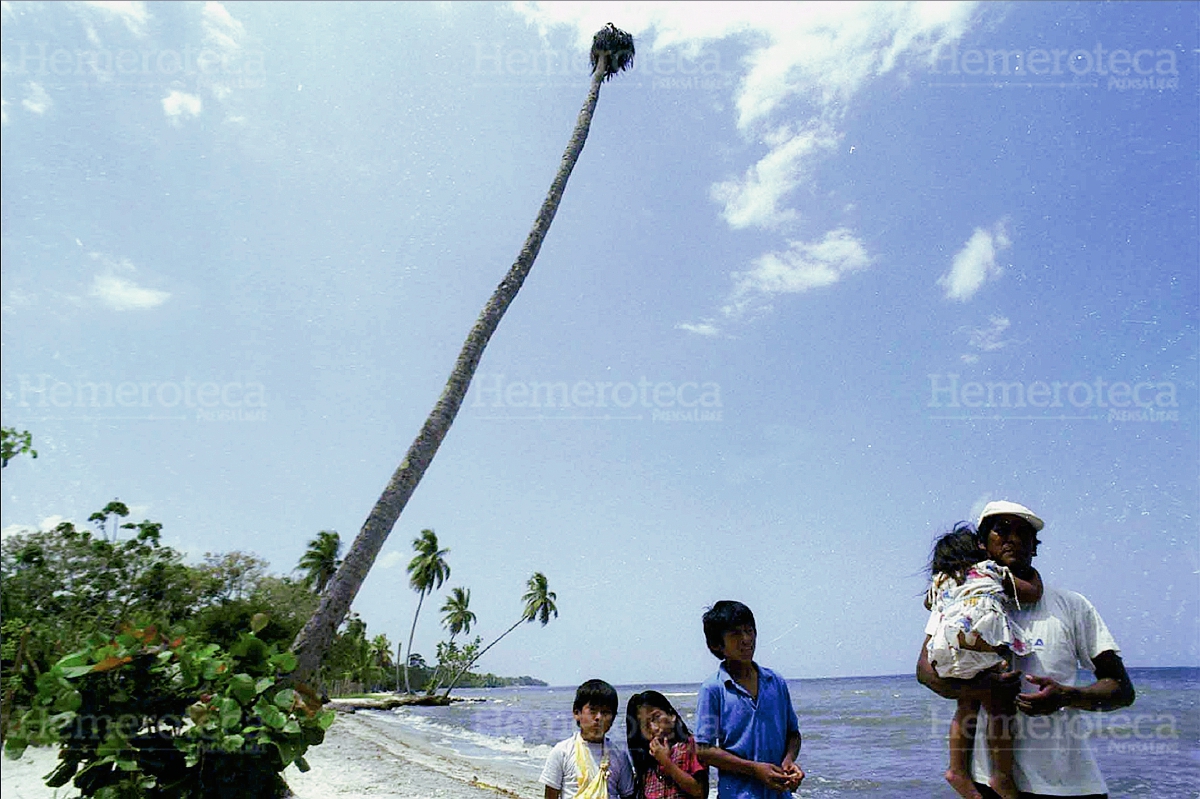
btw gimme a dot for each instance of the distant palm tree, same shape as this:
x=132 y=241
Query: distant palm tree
x=456 y=612
x=539 y=606
x=320 y=561
x=381 y=652
x=426 y=571
x=612 y=52
x=456 y=618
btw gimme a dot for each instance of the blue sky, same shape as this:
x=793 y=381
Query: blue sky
x=825 y=280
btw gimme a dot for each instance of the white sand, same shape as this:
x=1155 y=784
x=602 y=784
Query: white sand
x=355 y=761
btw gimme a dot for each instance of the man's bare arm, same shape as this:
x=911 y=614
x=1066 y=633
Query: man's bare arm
x=1027 y=591
x=980 y=688
x=1112 y=690
x=791 y=768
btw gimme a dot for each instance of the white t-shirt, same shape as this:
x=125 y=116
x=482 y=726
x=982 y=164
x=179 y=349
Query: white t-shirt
x=560 y=773
x=1052 y=754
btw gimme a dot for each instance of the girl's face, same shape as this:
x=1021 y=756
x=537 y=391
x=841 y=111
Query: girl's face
x=655 y=722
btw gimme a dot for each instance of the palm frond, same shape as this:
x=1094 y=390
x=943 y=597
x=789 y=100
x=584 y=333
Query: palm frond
x=615 y=47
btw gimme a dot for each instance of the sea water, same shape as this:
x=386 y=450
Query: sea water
x=863 y=736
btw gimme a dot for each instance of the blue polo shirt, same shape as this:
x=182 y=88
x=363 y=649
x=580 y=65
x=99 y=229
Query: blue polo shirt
x=727 y=717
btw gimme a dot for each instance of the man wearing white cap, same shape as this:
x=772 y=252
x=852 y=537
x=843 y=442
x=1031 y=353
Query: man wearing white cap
x=1051 y=755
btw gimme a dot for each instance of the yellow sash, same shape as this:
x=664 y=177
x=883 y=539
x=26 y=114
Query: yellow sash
x=592 y=779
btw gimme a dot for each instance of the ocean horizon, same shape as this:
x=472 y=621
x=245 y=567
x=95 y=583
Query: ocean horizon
x=863 y=736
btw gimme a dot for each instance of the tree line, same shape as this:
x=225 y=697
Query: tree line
x=58 y=587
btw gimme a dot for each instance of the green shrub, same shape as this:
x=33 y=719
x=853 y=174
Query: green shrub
x=150 y=716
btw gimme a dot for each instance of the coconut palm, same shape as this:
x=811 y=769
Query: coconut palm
x=426 y=571
x=381 y=652
x=457 y=617
x=612 y=52
x=539 y=606
x=320 y=561
x=456 y=612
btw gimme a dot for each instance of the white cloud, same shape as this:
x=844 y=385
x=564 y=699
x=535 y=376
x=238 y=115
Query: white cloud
x=36 y=101
x=975 y=264
x=45 y=525
x=177 y=105
x=805 y=62
x=801 y=267
x=390 y=560
x=803 y=65
x=702 y=328
x=3 y=111
x=122 y=294
x=133 y=14
x=13 y=530
x=50 y=522
x=224 y=35
x=755 y=198
x=987 y=339
x=221 y=30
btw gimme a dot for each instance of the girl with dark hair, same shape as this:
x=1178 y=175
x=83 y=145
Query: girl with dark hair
x=970 y=633
x=663 y=750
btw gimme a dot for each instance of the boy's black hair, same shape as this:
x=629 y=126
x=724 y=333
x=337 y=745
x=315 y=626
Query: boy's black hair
x=957 y=551
x=726 y=615
x=596 y=693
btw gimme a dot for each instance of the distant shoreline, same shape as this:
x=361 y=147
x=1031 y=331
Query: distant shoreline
x=789 y=678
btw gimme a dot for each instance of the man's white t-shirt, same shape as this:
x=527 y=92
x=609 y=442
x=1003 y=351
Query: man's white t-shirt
x=1051 y=754
x=560 y=772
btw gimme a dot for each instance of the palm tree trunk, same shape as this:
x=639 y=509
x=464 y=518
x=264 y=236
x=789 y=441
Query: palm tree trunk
x=315 y=639
x=459 y=674
x=411 y=632
x=435 y=681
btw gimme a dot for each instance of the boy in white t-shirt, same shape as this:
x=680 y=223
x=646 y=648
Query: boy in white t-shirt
x=589 y=764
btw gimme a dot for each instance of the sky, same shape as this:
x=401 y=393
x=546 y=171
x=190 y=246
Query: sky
x=825 y=280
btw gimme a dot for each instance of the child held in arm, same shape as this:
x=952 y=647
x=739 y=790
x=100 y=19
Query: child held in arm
x=970 y=632
x=746 y=726
x=588 y=765
x=663 y=751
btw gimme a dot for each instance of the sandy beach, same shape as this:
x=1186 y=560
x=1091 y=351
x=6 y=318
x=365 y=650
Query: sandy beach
x=353 y=762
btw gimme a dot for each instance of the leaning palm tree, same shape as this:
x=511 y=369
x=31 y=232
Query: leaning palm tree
x=320 y=561
x=457 y=617
x=612 y=52
x=426 y=571
x=539 y=606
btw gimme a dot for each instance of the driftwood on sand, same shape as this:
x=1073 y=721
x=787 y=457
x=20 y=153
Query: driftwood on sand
x=391 y=701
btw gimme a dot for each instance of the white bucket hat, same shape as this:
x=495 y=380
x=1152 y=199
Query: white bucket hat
x=1003 y=507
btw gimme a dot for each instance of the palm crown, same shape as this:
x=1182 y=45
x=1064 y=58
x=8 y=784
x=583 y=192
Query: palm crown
x=539 y=600
x=457 y=616
x=320 y=561
x=428 y=568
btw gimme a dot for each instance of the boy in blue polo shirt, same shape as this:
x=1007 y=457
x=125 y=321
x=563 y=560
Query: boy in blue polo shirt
x=745 y=725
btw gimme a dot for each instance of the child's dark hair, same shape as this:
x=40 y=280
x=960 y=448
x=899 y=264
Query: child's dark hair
x=639 y=747
x=596 y=693
x=956 y=552
x=722 y=617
